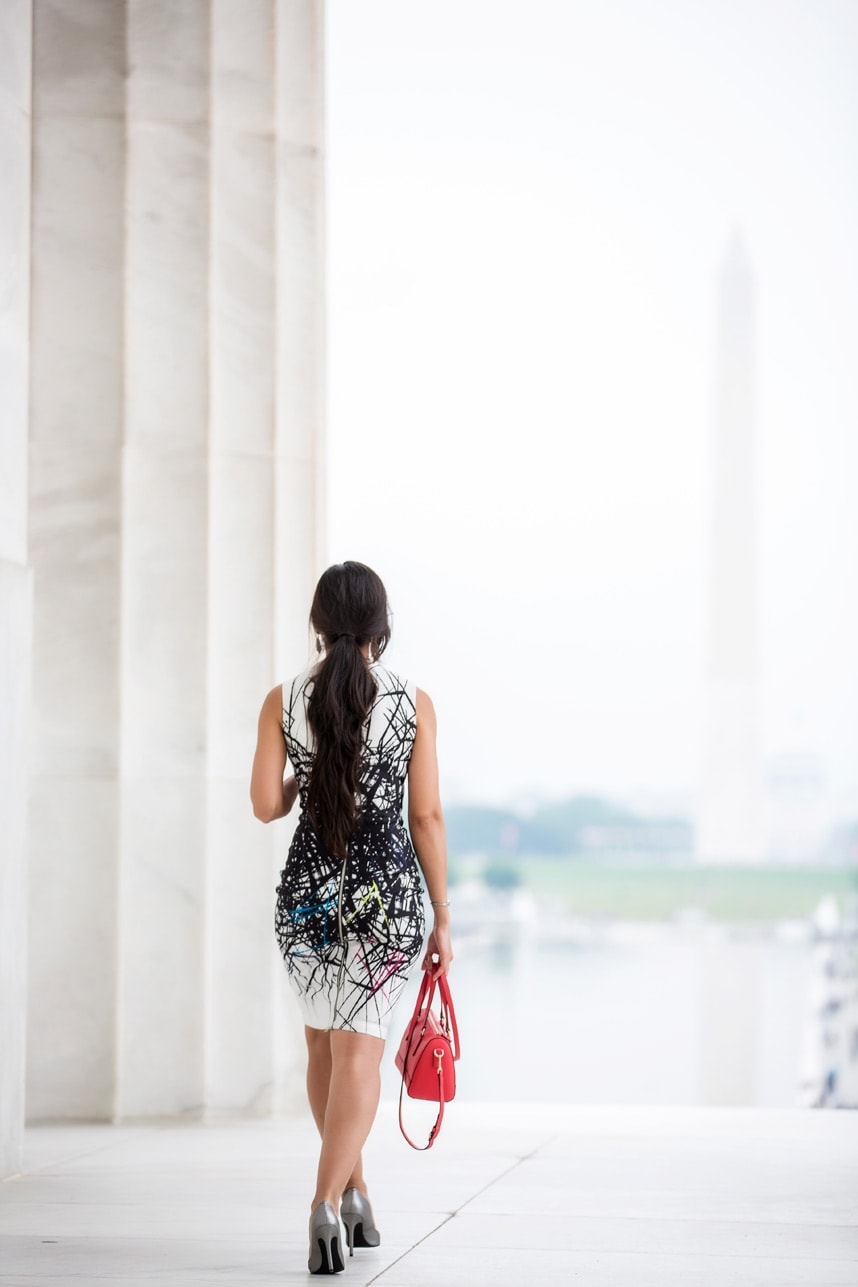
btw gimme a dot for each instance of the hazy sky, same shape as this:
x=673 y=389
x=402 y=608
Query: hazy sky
x=529 y=206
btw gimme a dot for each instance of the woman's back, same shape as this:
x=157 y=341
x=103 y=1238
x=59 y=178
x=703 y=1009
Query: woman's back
x=388 y=738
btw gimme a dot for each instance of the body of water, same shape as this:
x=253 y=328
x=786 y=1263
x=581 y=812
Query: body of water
x=628 y=1013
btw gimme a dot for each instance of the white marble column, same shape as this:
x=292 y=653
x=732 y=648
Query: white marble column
x=75 y=500
x=15 y=576
x=265 y=499
x=239 y=941
x=300 y=434
x=164 y=562
x=299 y=441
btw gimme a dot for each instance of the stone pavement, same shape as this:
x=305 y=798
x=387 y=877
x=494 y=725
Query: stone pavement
x=510 y=1196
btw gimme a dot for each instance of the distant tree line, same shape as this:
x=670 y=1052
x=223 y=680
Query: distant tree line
x=580 y=826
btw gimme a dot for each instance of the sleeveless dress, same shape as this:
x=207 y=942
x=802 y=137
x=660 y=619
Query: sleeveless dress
x=350 y=931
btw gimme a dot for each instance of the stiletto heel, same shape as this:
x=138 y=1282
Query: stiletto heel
x=325 y=1256
x=359 y=1221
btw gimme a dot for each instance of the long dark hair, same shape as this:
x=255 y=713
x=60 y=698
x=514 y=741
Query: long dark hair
x=349 y=610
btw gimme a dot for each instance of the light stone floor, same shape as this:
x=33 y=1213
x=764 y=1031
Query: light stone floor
x=510 y=1196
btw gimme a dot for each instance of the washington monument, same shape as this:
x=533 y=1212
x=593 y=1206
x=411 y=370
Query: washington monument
x=729 y=823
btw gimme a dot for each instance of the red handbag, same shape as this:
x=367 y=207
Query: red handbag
x=428 y=1052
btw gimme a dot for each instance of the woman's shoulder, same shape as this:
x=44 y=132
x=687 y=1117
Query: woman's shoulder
x=301 y=679
x=390 y=683
x=298 y=684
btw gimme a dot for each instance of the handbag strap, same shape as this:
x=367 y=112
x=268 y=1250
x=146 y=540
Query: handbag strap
x=421 y=1148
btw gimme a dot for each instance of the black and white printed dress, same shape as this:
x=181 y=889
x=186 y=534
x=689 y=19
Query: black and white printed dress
x=350 y=932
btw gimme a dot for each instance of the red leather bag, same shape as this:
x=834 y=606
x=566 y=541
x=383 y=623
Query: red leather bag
x=428 y=1052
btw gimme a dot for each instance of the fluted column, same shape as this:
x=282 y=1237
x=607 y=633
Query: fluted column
x=75 y=525
x=164 y=564
x=299 y=439
x=15 y=575
x=300 y=434
x=239 y=943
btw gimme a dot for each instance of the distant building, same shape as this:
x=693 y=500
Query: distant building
x=729 y=812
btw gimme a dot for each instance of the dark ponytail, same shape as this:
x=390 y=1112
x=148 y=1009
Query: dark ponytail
x=349 y=610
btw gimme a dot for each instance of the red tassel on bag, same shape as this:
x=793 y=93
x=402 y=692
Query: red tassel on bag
x=428 y=1052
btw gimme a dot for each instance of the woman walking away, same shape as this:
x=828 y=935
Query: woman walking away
x=349 y=917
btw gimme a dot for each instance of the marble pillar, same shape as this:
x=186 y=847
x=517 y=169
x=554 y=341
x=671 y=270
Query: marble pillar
x=15 y=574
x=164 y=562
x=299 y=437
x=241 y=858
x=300 y=204
x=75 y=540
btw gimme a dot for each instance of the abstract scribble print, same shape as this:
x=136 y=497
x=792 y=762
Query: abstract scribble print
x=350 y=932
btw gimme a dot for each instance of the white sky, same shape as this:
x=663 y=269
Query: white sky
x=529 y=205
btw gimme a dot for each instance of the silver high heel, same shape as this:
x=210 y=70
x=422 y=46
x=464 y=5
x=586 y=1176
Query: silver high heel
x=359 y=1221
x=325 y=1256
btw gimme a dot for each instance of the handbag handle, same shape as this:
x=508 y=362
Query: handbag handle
x=424 y=1004
x=449 y=1009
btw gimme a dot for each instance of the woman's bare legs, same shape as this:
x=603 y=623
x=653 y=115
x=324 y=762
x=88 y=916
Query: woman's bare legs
x=318 y=1072
x=343 y=1087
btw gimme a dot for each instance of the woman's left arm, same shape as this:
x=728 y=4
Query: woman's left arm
x=270 y=795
